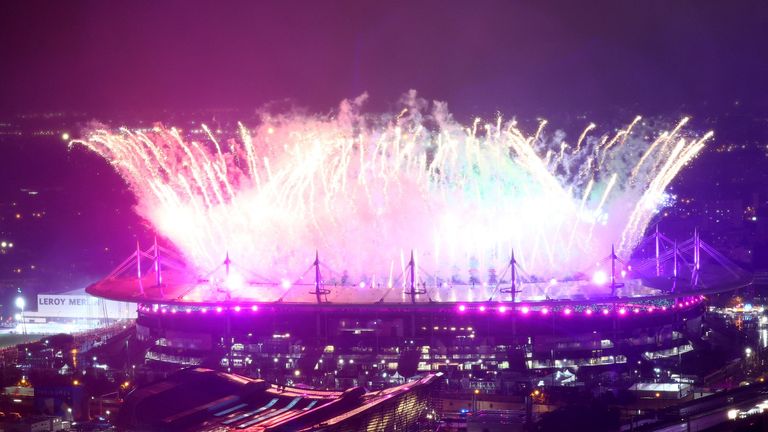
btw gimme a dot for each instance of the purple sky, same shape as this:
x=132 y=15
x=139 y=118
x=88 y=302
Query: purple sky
x=106 y=57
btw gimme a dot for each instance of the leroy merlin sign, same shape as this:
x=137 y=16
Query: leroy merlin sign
x=74 y=306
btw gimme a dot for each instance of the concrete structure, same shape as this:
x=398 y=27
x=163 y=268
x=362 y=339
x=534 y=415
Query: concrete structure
x=204 y=400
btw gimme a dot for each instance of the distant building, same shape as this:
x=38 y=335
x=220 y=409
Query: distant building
x=78 y=306
x=661 y=390
x=33 y=424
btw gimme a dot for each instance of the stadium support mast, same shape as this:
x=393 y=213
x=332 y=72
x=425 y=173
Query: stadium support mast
x=318 y=291
x=412 y=278
x=513 y=274
x=696 y=250
x=158 y=274
x=512 y=290
x=696 y=258
x=413 y=291
x=138 y=267
x=613 y=271
x=658 y=250
x=674 y=261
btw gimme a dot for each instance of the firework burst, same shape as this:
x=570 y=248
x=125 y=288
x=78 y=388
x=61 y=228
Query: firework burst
x=364 y=190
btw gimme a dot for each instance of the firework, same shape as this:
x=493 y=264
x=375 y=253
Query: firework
x=365 y=190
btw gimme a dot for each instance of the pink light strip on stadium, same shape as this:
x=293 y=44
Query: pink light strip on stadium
x=619 y=309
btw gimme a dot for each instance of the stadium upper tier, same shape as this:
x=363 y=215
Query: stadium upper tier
x=158 y=276
x=178 y=288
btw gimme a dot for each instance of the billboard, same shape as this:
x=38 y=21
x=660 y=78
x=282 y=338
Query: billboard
x=81 y=306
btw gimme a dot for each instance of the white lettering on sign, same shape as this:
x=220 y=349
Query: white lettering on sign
x=81 y=306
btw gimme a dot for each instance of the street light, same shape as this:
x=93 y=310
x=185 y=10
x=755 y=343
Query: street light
x=21 y=303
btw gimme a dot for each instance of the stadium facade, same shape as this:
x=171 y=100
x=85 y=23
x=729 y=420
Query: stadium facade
x=498 y=333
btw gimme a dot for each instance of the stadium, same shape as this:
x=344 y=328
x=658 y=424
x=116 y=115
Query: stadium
x=643 y=309
x=373 y=251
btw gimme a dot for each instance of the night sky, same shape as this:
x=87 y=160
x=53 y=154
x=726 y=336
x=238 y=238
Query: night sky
x=148 y=60
x=529 y=58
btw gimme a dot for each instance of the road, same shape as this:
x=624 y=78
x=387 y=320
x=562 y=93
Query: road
x=711 y=418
